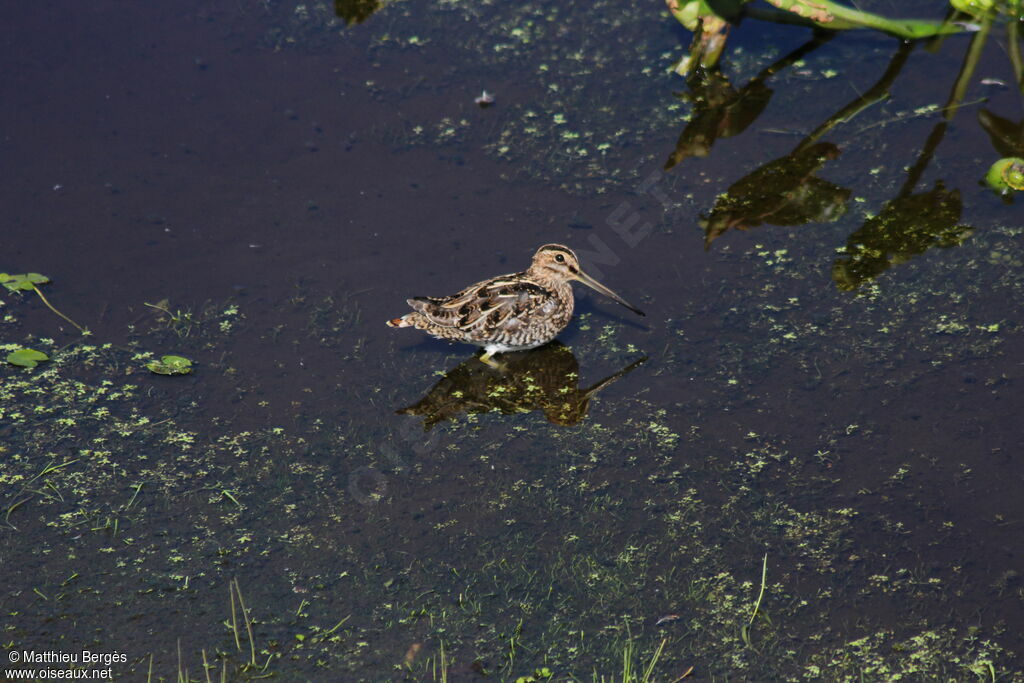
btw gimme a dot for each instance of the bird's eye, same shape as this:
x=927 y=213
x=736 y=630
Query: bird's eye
x=560 y=258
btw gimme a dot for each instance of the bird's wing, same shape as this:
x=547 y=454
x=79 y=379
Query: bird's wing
x=495 y=302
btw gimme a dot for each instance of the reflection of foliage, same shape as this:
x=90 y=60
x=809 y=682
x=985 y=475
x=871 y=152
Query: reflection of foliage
x=721 y=111
x=543 y=379
x=911 y=223
x=782 y=192
x=786 y=191
x=1007 y=136
x=710 y=22
x=906 y=227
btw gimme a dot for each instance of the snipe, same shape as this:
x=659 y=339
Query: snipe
x=509 y=312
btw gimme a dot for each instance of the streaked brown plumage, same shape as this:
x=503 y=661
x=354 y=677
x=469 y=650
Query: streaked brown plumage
x=510 y=312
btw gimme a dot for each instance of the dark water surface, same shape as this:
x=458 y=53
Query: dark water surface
x=835 y=386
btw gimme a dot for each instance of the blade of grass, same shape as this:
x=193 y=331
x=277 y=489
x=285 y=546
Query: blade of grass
x=234 y=616
x=206 y=667
x=764 y=575
x=134 y=496
x=336 y=627
x=14 y=506
x=50 y=306
x=685 y=674
x=654 y=660
x=248 y=624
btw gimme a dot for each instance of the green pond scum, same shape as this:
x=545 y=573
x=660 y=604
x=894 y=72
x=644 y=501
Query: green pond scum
x=140 y=505
x=800 y=471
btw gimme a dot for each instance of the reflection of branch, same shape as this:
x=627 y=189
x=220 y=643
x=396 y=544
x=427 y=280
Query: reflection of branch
x=967 y=70
x=956 y=97
x=1013 y=37
x=819 y=39
x=879 y=91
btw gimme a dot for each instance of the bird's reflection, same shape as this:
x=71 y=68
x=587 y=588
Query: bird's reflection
x=356 y=11
x=544 y=379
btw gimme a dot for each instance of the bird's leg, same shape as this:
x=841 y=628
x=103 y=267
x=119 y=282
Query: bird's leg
x=488 y=359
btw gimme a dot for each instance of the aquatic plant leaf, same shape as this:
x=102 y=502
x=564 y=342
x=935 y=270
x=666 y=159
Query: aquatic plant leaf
x=1006 y=174
x=710 y=26
x=23 y=281
x=26 y=358
x=974 y=7
x=170 y=365
x=978 y=9
x=689 y=13
x=818 y=13
x=835 y=16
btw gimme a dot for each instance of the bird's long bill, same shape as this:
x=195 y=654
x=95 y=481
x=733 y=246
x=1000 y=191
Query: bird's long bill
x=594 y=284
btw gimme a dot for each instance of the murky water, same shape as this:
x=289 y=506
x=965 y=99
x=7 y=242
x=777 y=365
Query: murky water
x=833 y=348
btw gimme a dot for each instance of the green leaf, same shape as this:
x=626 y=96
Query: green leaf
x=170 y=365
x=23 y=281
x=26 y=358
x=835 y=16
